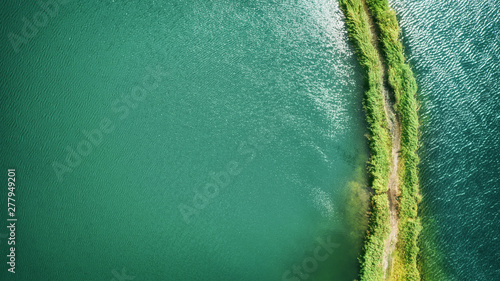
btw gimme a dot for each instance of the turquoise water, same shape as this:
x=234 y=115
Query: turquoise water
x=454 y=47
x=226 y=139
x=181 y=141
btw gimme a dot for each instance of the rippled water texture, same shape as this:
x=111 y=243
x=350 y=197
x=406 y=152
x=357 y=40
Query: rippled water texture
x=454 y=47
x=244 y=116
x=259 y=99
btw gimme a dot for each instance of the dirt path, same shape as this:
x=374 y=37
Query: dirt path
x=393 y=185
x=390 y=244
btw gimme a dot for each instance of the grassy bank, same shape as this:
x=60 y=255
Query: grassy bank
x=402 y=83
x=360 y=34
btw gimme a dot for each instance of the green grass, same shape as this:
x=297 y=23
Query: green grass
x=379 y=138
x=402 y=83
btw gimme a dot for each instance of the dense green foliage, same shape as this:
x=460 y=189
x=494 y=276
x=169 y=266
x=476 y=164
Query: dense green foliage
x=378 y=232
x=358 y=27
x=380 y=140
x=402 y=83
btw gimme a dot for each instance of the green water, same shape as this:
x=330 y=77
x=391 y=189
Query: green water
x=454 y=47
x=265 y=96
x=228 y=139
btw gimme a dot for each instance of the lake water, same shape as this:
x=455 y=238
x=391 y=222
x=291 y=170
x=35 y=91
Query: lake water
x=454 y=47
x=200 y=141
x=224 y=140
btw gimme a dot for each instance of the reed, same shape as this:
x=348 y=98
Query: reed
x=360 y=34
x=402 y=83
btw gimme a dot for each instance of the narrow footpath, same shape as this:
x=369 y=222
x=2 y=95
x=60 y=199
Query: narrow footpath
x=395 y=131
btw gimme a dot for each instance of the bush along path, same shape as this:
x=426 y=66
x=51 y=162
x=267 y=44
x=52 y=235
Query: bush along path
x=390 y=249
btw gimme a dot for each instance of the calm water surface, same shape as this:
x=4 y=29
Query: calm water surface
x=226 y=141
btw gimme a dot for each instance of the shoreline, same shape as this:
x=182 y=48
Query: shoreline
x=390 y=248
x=402 y=82
x=395 y=133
